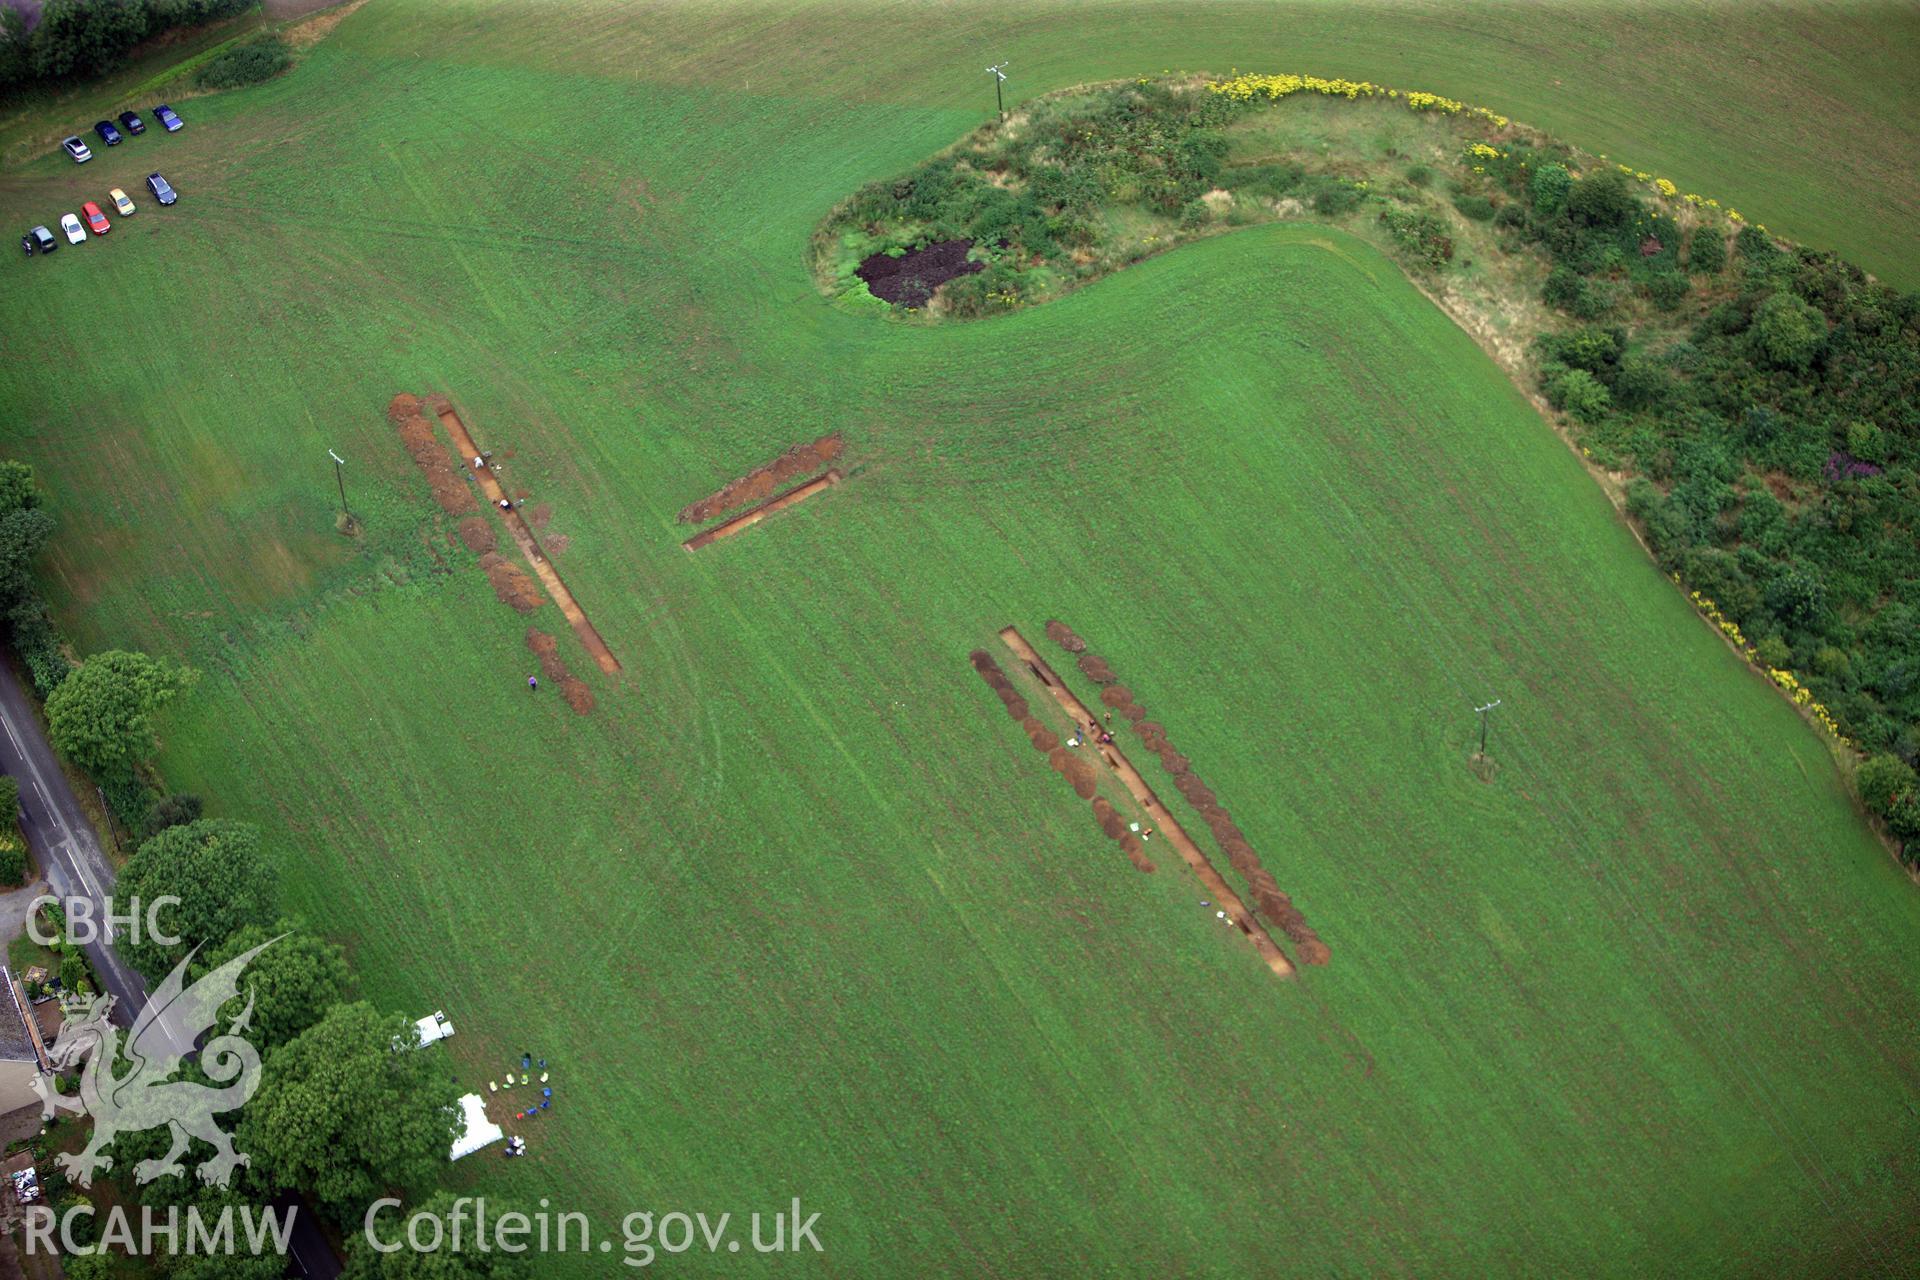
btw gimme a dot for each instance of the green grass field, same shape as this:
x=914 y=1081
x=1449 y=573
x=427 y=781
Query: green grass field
x=796 y=910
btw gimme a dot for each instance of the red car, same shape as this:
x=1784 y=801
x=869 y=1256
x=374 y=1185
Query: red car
x=96 y=220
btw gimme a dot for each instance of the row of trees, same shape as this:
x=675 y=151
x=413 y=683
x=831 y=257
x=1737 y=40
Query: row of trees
x=340 y=1117
x=75 y=39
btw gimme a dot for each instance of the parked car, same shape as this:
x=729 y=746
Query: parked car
x=120 y=202
x=38 y=240
x=161 y=191
x=108 y=134
x=71 y=225
x=132 y=123
x=168 y=118
x=96 y=220
x=77 y=149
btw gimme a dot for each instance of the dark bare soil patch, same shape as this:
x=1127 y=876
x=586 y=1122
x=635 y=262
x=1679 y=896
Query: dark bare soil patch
x=759 y=484
x=910 y=279
x=554 y=669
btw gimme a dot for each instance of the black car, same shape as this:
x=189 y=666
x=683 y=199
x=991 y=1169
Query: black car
x=108 y=134
x=161 y=191
x=38 y=240
x=132 y=124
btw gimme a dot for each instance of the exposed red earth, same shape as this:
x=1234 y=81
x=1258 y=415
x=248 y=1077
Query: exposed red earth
x=760 y=484
x=1166 y=826
x=1268 y=898
x=749 y=519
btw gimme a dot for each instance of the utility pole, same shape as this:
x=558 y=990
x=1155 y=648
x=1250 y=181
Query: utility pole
x=998 y=71
x=1483 y=723
x=340 y=476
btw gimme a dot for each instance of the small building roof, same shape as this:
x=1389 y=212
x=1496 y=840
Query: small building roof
x=17 y=1043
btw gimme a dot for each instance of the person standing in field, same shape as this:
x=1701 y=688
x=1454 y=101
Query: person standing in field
x=533 y=684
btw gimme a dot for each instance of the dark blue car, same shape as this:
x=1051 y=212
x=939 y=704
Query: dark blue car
x=161 y=191
x=132 y=124
x=169 y=121
x=108 y=134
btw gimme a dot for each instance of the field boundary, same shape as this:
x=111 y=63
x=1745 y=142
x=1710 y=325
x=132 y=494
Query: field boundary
x=1175 y=835
x=780 y=502
x=523 y=536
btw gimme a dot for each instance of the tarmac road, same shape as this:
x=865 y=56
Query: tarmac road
x=57 y=829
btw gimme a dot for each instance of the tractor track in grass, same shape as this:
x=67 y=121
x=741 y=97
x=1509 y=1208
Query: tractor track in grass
x=1130 y=778
x=747 y=520
x=523 y=536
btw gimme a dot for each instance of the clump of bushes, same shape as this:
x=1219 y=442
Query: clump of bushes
x=1479 y=208
x=1890 y=789
x=249 y=63
x=1421 y=234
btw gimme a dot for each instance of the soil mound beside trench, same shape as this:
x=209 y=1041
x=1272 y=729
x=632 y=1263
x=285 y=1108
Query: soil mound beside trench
x=760 y=483
x=554 y=669
x=448 y=486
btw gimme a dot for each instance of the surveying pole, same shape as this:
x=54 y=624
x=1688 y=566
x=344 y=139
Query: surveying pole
x=1483 y=723
x=998 y=72
x=339 y=475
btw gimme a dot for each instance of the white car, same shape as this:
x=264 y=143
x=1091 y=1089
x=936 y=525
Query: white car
x=76 y=149
x=71 y=225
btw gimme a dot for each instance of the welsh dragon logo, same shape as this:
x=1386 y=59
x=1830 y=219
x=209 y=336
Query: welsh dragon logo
x=145 y=1097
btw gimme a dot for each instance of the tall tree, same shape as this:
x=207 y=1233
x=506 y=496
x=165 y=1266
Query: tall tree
x=345 y=1117
x=18 y=491
x=101 y=716
x=85 y=37
x=14 y=65
x=216 y=869
x=23 y=532
x=292 y=983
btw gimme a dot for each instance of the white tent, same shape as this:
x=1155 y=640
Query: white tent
x=477 y=1132
x=434 y=1027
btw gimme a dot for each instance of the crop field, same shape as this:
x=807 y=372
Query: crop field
x=793 y=903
